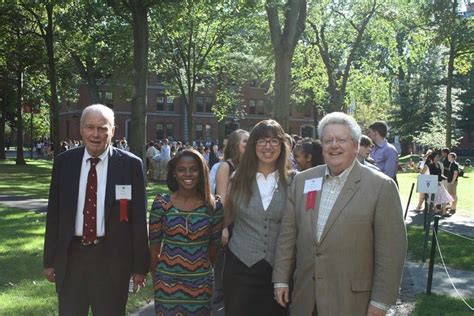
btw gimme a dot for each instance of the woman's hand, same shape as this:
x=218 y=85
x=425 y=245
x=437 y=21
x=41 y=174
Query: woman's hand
x=225 y=237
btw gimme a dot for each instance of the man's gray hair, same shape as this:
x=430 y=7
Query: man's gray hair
x=101 y=109
x=343 y=119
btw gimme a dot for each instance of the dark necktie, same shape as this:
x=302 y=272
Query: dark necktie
x=89 y=229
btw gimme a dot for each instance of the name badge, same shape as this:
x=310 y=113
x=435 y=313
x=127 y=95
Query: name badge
x=123 y=192
x=314 y=184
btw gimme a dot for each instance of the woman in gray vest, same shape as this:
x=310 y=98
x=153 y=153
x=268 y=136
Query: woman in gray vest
x=255 y=205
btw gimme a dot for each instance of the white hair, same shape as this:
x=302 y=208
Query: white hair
x=101 y=109
x=343 y=119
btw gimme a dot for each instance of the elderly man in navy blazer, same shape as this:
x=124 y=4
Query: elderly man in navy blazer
x=96 y=235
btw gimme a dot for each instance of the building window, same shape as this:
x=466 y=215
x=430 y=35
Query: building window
x=208 y=132
x=106 y=96
x=170 y=104
x=252 y=107
x=160 y=132
x=160 y=103
x=199 y=132
x=169 y=130
x=260 y=107
x=199 y=104
x=209 y=101
x=307 y=131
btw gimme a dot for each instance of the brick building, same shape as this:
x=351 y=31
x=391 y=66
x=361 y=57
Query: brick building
x=165 y=114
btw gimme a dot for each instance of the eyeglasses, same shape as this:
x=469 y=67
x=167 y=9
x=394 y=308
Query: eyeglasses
x=338 y=141
x=264 y=141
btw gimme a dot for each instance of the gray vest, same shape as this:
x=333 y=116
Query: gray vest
x=255 y=230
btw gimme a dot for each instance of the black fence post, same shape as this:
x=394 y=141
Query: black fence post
x=409 y=199
x=433 y=252
x=427 y=222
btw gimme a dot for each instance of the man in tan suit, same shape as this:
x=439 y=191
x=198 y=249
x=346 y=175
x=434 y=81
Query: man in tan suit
x=343 y=232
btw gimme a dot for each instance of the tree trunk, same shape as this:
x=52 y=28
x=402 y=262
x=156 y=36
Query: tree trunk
x=140 y=74
x=54 y=103
x=3 y=113
x=20 y=159
x=284 y=42
x=281 y=111
x=449 y=87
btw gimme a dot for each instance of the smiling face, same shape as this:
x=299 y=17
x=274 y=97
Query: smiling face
x=96 y=132
x=268 y=150
x=339 y=149
x=187 y=173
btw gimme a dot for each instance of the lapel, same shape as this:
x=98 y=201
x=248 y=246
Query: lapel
x=75 y=175
x=113 y=172
x=314 y=212
x=350 y=188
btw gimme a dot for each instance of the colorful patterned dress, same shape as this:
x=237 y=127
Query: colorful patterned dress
x=183 y=279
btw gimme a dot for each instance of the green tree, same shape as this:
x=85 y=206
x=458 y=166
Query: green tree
x=22 y=57
x=184 y=39
x=456 y=33
x=284 y=38
x=42 y=13
x=135 y=13
x=337 y=31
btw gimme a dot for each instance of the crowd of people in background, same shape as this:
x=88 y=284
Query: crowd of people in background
x=443 y=164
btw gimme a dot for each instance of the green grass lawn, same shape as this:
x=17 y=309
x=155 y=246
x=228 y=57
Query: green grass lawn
x=464 y=191
x=430 y=305
x=457 y=252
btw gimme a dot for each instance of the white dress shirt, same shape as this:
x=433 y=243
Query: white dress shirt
x=267 y=186
x=101 y=169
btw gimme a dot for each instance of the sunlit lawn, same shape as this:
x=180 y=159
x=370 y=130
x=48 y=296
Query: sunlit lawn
x=465 y=191
x=431 y=305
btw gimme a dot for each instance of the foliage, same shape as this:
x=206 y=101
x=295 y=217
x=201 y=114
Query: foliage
x=184 y=39
x=337 y=30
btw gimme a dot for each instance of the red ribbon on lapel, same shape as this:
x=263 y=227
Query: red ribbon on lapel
x=123 y=210
x=310 y=200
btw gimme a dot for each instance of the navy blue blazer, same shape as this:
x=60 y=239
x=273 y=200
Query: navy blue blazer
x=125 y=243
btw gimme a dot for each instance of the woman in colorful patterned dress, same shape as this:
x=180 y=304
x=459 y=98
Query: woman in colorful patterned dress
x=185 y=232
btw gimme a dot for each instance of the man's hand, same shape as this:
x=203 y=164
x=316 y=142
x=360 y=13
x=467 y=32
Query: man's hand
x=282 y=295
x=49 y=274
x=139 y=280
x=374 y=311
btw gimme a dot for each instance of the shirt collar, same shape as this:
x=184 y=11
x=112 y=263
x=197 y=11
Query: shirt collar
x=271 y=175
x=342 y=176
x=107 y=152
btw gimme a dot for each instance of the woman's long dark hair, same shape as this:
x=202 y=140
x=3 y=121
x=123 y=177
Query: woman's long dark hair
x=240 y=189
x=204 y=187
x=231 y=151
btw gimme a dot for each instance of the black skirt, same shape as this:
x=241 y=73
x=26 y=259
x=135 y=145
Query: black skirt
x=249 y=291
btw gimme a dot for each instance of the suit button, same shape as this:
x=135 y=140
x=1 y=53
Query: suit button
x=264 y=250
x=265 y=227
x=265 y=235
x=314 y=279
x=318 y=254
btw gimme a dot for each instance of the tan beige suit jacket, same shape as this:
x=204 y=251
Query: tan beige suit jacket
x=361 y=252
